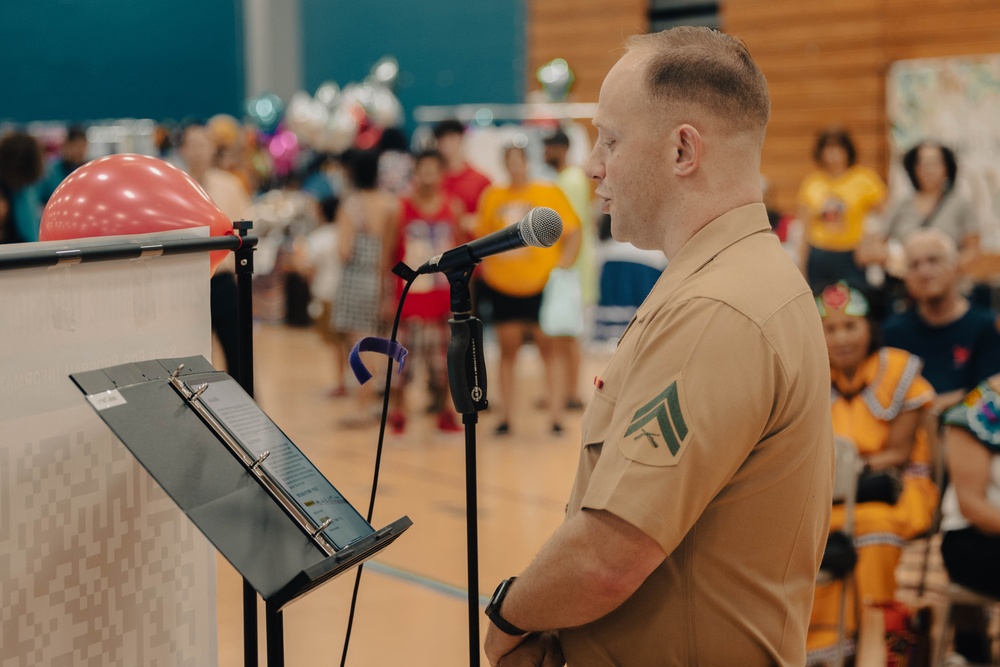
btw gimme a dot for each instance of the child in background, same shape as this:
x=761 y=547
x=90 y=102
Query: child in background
x=429 y=225
x=323 y=269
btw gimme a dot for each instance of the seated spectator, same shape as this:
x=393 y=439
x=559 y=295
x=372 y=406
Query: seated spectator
x=877 y=399
x=957 y=341
x=960 y=346
x=971 y=509
x=934 y=203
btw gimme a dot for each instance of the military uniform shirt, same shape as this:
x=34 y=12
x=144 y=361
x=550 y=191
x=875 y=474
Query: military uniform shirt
x=710 y=431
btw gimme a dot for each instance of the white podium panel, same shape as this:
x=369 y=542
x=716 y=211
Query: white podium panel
x=98 y=567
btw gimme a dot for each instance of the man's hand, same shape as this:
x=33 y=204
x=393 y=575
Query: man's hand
x=499 y=644
x=535 y=650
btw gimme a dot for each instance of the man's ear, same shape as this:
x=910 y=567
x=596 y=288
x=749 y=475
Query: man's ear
x=688 y=146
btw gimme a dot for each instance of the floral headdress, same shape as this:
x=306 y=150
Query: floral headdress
x=844 y=298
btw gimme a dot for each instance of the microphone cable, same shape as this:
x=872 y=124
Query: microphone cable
x=408 y=275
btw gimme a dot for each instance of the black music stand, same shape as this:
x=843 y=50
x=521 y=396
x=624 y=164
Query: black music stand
x=243 y=245
x=255 y=509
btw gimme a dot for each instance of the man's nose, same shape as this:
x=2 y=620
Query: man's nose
x=594 y=166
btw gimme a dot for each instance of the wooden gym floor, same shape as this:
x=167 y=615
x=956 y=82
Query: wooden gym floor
x=411 y=607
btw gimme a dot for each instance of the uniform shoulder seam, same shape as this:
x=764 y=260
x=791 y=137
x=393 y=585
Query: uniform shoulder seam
x=759 y=324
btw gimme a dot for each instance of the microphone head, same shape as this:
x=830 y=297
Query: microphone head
x=541 y=228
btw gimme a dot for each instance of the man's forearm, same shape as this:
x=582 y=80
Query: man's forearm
x=589 y=567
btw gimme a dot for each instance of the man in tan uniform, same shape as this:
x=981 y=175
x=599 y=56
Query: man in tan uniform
x=702 y=499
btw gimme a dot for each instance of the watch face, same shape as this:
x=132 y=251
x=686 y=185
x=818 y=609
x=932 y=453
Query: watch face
x=497 y=597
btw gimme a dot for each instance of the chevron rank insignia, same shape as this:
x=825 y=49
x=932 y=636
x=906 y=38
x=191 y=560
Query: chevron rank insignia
x=658 y=431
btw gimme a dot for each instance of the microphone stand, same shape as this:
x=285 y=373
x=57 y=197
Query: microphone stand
x=467 y=381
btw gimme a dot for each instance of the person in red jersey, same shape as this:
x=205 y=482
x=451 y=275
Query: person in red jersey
x=429 y=225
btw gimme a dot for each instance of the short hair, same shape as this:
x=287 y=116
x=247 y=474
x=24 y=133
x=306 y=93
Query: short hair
x=449 y=126
x=75 y=133
x=21 y=161
x=557 y=138
x=947 y=242
x=948 y=155
x=187 y=127
x=429 y=154
x=393 y=139
x=836 y=136
x=709 y=68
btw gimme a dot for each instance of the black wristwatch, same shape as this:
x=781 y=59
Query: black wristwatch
x=493 y=609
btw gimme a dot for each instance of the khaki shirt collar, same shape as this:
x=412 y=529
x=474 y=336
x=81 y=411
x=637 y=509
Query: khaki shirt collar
x=702 y=248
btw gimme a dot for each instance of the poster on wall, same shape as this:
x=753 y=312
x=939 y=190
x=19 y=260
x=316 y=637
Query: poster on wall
x=98 y=567
x=954 y=101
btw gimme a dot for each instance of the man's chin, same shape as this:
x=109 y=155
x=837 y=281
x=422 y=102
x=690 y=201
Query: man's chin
x=621 y=236
x=641 y=244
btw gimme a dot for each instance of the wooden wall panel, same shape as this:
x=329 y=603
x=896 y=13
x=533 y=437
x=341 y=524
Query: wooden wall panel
x=587 y=33
x=825 y=61
x=826 y=64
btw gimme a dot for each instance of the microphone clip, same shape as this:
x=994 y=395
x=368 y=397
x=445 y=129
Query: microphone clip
x=456 y=259
x=405 y=272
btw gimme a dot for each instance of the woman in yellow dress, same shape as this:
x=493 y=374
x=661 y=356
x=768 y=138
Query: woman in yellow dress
x=877 y=396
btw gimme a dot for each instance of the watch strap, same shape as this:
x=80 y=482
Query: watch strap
x=504 y=626
x=493 y=610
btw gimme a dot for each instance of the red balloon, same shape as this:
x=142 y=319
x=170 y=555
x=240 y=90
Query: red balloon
x=130 y=194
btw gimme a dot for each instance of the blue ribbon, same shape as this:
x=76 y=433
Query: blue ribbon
x=384 y=346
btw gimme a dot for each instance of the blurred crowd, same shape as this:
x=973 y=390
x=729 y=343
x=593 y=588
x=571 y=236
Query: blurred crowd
x=913 y=341
x=914 y=348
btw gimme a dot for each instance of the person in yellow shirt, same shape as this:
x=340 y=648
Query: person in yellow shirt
x=513 y=281
x=834 y=202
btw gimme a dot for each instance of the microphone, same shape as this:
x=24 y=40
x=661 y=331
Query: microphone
x=541 y=228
